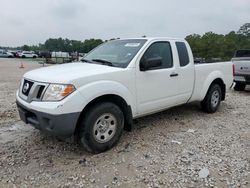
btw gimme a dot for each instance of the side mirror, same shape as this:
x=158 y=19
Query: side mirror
x=150 y=63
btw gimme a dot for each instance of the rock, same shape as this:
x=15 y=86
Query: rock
x=190 y=130
x=177 y=142
x=92 y=180
x=203 y=173
x=73 y=178
x=83 y=161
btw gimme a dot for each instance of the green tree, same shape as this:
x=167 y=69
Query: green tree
x=245 y=30
x=90 y=44
x=194 y=41
x=25 y=48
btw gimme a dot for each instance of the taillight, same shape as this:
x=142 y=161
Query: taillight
x=233 y=70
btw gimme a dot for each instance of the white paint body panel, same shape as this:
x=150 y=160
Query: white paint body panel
x=146 y=92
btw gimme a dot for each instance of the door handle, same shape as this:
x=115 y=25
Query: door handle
x=174 y=74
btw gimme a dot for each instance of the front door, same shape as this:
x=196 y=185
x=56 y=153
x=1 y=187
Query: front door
x=157 y=88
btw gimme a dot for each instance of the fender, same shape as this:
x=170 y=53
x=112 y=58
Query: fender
x=211 y=77
x=96 y=89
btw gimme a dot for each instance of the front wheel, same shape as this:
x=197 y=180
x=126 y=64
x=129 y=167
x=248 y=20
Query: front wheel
x=101 y=127
x=211 y=102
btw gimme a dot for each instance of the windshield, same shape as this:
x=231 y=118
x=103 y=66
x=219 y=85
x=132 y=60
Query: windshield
x=116 y=53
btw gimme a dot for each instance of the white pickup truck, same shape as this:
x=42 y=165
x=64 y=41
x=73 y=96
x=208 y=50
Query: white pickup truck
x=97 y=98
x=241 y=61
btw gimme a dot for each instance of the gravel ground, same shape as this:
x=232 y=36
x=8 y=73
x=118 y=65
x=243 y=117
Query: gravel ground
x=180 y=147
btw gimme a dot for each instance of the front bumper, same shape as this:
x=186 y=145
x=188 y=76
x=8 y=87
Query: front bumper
x=61 y=125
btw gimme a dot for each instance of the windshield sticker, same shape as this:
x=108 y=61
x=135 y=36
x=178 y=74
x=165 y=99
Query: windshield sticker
x=132 y=44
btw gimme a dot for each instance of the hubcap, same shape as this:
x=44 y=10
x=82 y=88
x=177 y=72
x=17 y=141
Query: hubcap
x=215 y=98
x=105 y=128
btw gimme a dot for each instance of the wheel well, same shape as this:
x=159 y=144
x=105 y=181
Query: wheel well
x=119 y=101
x=220 y=82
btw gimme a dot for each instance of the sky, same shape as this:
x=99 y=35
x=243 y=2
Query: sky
x=32 y=21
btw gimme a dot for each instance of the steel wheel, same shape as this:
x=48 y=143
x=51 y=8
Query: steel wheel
x=105 y=128
x=215 y=98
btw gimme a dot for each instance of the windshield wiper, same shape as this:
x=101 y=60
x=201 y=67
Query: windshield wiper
x=87 y=61
x=103 y=62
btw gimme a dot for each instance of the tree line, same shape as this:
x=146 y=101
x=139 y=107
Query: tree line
x=212 y=45
x=64 y=45
x=208 y=46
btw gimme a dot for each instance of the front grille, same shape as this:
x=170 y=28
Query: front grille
x=40 y=91
x=32 y=91
x=27 y=85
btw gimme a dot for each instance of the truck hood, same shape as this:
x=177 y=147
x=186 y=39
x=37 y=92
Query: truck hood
x=68 y=73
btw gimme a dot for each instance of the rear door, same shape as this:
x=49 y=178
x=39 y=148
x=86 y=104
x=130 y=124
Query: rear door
x=157 y=88
x=186 y=71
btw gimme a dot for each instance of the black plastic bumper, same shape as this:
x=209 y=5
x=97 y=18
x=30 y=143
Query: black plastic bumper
x=247 y=78
x=62 y=125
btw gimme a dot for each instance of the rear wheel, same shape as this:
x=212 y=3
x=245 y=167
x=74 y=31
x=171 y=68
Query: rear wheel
x=239 y=86
x=211 y=102
x=101 y=127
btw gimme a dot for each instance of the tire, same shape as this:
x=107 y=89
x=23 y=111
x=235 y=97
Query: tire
x=34 y=57
x=95 y=136
x=211 y=102
x=23 y=56
x=239 y=86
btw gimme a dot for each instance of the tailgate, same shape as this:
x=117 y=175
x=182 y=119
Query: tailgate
x=242 y=67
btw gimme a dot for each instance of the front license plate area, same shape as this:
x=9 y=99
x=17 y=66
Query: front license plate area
x=23 y=115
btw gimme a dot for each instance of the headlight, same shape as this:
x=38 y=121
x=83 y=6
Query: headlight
x=56 y=92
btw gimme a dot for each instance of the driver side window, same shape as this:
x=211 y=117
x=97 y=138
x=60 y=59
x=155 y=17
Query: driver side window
x=160 y=50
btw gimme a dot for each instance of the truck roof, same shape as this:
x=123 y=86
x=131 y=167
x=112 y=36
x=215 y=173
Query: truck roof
x=155 y=38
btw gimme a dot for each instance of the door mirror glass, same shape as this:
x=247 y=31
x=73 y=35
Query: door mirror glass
x=157 y=56
x=150 y=63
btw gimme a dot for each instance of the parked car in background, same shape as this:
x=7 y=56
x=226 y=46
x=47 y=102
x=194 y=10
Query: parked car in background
x=18 y=53
x=199 y=60
x=241 y=61
x=4 y=53
x=28 y=54
x=13 y=52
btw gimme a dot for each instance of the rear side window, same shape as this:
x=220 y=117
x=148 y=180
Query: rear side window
x=160 y=49
x=182 y=53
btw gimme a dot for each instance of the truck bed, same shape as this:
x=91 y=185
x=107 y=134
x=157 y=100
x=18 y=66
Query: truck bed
x=205 y=72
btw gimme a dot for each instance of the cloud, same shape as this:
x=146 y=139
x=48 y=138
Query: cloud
x=65 y=9
x=33 y=22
